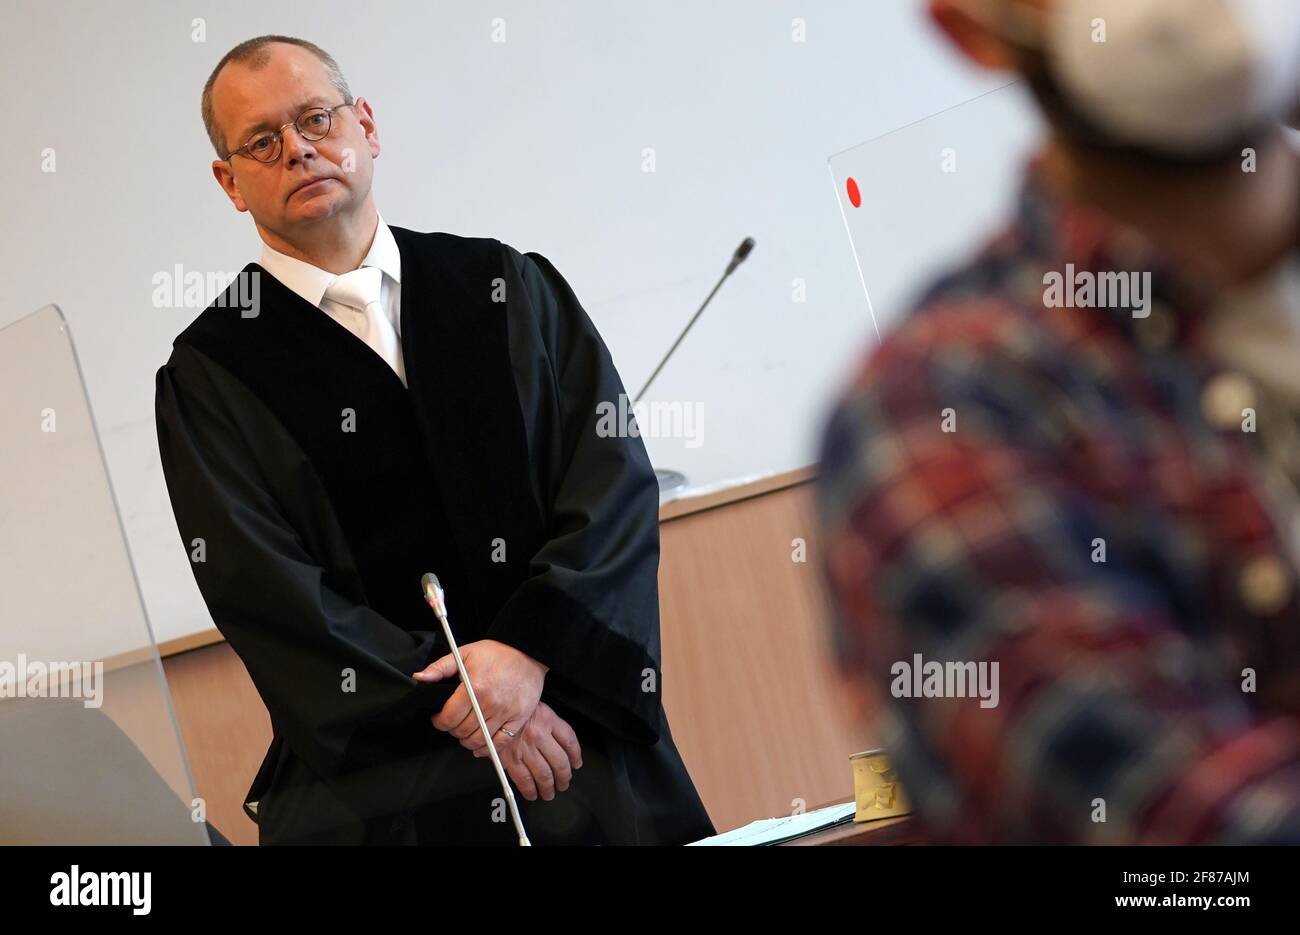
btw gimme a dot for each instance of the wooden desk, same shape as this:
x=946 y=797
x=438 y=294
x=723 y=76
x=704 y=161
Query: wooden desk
x=884 y=833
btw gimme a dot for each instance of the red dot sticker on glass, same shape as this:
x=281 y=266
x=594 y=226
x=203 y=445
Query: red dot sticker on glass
x=855 y=196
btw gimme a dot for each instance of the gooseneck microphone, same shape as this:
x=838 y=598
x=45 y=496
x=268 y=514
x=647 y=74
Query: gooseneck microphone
x=737 y=258
x=436 y=599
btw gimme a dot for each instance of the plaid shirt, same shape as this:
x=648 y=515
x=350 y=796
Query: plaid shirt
x=988 y=451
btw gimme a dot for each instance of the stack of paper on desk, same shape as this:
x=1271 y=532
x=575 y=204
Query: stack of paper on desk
x=775 y=830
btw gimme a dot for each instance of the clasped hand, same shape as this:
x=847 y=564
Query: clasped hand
x=544 y=751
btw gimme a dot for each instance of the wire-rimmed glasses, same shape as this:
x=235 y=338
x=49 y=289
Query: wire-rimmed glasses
x=312 y=124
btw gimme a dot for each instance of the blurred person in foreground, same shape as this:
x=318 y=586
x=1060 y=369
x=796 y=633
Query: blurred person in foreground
x=1062 y=541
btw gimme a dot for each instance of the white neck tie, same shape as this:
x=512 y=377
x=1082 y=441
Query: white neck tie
x=360 y=290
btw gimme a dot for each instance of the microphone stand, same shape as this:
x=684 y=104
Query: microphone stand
x=433 y=594
x=671 y=480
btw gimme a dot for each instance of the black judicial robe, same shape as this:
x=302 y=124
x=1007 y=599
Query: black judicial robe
x=323 y=489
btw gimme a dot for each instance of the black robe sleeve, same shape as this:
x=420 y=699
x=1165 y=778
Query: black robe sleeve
x=281 y=588
x=590 y=607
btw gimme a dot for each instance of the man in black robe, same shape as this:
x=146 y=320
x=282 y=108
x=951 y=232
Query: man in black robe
x=321 y=458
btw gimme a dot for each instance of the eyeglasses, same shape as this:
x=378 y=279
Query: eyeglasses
x=312 y=124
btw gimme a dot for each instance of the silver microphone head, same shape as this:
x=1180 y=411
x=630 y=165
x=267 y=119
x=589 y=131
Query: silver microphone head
x=433 y=592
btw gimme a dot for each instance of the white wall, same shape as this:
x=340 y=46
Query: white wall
x=536 y=141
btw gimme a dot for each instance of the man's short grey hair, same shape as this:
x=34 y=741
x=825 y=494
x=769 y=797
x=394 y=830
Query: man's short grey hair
x=254 y=54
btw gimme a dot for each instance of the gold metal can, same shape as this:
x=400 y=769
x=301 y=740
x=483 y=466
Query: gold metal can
x=876 y=788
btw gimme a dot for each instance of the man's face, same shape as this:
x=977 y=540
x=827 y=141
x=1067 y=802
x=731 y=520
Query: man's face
x=247 y=101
